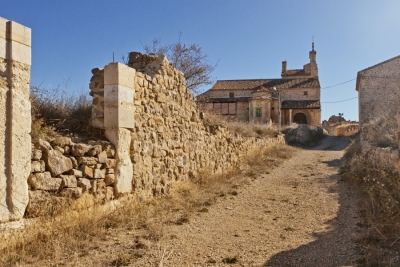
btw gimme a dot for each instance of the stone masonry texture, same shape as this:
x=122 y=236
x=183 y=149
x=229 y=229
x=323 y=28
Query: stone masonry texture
x=15 y=119
x=169 y=141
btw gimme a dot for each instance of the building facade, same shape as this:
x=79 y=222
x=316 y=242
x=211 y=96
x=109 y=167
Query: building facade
x=379 y=91
x=296 y=94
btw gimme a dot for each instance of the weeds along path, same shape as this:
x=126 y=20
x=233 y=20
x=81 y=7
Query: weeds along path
x=297 y=214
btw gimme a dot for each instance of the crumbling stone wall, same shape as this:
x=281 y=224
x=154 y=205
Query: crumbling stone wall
x=15 y=118
x=66 y=170
x=169 y=140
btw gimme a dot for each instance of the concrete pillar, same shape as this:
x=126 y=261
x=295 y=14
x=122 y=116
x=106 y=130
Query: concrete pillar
x=15 y=119
x=119 y=91
x=290 y=117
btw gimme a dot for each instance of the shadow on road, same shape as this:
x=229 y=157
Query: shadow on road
x=333 y=143
x=335 y=247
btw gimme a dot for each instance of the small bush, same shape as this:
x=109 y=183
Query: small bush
x=378 y=188
x=381 y=132
x=230 y=259
x=59 y=111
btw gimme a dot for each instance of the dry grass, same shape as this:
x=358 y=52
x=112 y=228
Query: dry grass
x=381 y=132
x=246 y=129
x=60 y=112
x=380 y=200
x=72 y=236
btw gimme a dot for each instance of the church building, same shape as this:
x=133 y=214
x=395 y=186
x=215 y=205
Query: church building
x=296 y=94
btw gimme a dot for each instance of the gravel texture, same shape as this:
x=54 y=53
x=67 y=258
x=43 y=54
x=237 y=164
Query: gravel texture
x=298 y=214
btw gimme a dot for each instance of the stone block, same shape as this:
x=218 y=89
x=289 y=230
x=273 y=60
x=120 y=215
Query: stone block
x=118 y=73
x=99 y=174
x=68 y=181
x=3 y=48
x=76 y=173
x=35 y=166
x=21 y=53
x=44 y=181
x=121 y=138
x=36 y=154
x=56 y=163
x=95 y=150
x=78 y=150
x=87 y=160
x=19 y=33
x=118 y=95
x=120 y=117
x=109 y=179
x=84 y=184
x=62 y=141
x=102 y=157
x=86 y=171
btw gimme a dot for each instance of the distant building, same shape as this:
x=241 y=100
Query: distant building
x=379 y=91
x=256 y=100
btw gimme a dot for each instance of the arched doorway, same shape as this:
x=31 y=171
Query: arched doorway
x=300 y=118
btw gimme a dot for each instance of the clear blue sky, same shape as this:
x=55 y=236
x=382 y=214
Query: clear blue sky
x=250 y=38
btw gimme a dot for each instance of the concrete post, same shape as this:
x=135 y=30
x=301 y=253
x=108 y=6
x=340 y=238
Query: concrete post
x=119 y=91
x=15 y=119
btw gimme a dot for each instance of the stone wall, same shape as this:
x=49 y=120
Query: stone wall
x=169 y=141
x=379 y=91
x=66 y=170
x=15 y=118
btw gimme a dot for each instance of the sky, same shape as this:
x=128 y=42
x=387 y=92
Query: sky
x=248 y=38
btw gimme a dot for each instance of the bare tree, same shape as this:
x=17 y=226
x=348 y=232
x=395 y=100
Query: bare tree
x=189 y=59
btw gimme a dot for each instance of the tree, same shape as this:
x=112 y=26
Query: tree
x=189 y=59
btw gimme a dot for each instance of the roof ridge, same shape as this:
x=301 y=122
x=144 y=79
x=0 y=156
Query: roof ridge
x=383 y=62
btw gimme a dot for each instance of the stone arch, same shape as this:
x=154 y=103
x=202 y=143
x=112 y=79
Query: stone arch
x=302 y=117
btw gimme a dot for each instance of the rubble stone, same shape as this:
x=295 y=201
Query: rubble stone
x=56 y=163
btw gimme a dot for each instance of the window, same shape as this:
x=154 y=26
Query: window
x=224 y=108
x=305 y=92
x=231 y=95
x=258 y=112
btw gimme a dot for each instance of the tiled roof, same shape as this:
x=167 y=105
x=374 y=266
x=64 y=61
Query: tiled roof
x=267 y=83
x=294 y=73
x=262 y=89
x=300 y=104
x=229 y=100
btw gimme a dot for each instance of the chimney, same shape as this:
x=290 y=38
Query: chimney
x=284 y=64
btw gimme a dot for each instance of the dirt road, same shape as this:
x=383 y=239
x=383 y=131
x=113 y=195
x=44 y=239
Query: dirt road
x=297 y=214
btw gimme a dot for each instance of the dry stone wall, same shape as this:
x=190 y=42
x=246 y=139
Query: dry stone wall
x=169 y=140
x=15 y=118
x=66 y=170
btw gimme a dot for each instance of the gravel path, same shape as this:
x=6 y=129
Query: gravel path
x=298 y=214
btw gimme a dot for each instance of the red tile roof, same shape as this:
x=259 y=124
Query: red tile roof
x=287 y=104
x=267 y=83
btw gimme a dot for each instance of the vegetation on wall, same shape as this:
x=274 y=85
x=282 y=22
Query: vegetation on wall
x=380 y=202
x=188 y=58
x=59 y=111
